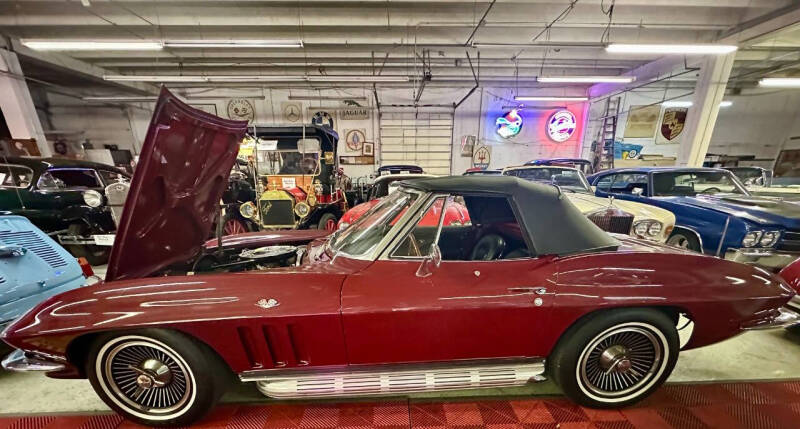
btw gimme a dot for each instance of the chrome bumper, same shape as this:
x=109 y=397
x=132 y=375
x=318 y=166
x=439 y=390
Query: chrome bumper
x=765 y=258
x=783 y=318
x=794 y=303
x=17 y=361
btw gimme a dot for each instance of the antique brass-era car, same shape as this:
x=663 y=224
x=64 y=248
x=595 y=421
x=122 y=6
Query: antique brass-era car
x=301 y=186
x=527 y=288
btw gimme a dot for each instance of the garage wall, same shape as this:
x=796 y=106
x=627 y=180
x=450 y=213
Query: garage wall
x=418 y=138
x=756 y=124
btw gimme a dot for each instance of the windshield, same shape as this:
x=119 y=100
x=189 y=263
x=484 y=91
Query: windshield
x=568 y=179
x=15 y=176
x=362 y=236
x=289 y=162
x=681 y=183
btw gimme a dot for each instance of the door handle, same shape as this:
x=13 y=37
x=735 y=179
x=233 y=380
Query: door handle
x=538 y=290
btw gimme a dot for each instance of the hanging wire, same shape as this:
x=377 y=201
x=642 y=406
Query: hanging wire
x=606 y=36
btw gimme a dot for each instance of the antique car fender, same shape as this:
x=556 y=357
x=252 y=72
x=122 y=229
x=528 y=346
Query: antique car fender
x=94 y=217
x=721 y=297
x=253 y=320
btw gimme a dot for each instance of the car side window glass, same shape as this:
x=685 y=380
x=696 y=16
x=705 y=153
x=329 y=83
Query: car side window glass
x=110 y=177
x=474 y=228
x=604 y=184
x=630 y=183
x=71 y=178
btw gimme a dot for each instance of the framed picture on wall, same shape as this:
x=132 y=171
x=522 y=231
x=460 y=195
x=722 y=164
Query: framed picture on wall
x=368 y=149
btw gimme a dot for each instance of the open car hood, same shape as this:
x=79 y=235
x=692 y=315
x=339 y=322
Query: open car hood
x=182 y=172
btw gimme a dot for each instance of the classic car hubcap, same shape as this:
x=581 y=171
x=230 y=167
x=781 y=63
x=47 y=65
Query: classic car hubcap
x=621 y=361
x=679 y=241
x=147 y=377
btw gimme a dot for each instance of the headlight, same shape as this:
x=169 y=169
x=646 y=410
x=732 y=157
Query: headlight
x=769 y=239
x=301 y=209
x=92 y=198
x=751 y=238
x=318 y=188
x=647 y=228
x=343 y=225
x=248 y=210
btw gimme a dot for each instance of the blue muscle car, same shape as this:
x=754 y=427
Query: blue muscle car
x=33 y=268
x=715 y=214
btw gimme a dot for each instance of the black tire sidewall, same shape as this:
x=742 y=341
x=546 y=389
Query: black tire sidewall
x=563 y=362
x=208 y=374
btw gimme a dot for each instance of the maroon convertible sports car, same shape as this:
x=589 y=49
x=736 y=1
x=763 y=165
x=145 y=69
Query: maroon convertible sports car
x=528 y=288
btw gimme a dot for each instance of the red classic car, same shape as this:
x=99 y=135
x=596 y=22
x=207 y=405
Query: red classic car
x=528 y=289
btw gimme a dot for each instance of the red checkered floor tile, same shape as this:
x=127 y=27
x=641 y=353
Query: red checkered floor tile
x=729 y=406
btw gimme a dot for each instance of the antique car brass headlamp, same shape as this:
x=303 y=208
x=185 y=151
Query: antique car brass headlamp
x=301 y=209
x=92 y=198
x=248 y=210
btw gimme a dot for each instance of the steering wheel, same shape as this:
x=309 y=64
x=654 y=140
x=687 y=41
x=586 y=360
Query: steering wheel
x=711 y=190
x=488 y=248
x=413 y=246
x=308 y=165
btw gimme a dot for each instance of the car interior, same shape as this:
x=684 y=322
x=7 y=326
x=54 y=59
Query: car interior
x=491 y=233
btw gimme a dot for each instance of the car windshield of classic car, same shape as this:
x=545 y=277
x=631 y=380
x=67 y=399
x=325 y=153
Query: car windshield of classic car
x=15 y=176
x=568 y=179
x=691 y=183
x=363 y=235
x=293 y=162
x=69 y=178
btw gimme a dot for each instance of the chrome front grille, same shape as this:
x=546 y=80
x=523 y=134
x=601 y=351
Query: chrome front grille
x=789 y=241
x=276 y=212
x=612 y=220
x=34 y=243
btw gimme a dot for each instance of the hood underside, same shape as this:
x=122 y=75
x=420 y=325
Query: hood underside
x=182 y=172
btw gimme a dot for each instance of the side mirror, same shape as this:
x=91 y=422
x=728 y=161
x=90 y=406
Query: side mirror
x=430 y=262
x=637 y=191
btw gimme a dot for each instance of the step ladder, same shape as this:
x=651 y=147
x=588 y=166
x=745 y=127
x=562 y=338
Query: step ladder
x=604 y=143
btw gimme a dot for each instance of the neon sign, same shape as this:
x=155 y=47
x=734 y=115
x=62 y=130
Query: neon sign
x=561 y=125
x=509 y=125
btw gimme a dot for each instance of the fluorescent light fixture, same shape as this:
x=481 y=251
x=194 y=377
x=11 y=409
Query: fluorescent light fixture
x=586 y=79
x=92 y=45
x=780 y=82
x=254 y=78
x=233 y=43
x=325 y=98
x=623 y=48
x=548 y=98
x=357 y=78
x=677 y=103
x=119 y=98
x=150 y=78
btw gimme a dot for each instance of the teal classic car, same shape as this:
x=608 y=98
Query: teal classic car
x=33 y=268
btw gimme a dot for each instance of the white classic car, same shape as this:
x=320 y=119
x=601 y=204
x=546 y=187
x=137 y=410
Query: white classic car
x=649 y=222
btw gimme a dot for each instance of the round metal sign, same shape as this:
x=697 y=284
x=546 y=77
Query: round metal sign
x=561 y=125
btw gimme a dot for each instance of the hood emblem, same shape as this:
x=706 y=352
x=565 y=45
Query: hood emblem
x=267 y=303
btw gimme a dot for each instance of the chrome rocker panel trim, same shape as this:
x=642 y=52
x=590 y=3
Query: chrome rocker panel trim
x=390 y=382
x=783 y=319
x=794 y=303
x=17 y=361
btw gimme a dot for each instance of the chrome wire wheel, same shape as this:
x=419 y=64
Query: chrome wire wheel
x=679 y=241
x=145 y=377
x=622 y=362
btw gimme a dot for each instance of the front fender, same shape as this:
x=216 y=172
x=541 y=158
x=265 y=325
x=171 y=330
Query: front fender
x=252 y=320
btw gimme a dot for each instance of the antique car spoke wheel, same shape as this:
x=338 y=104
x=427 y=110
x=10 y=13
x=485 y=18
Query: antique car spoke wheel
x=621 y=361
x=679 y=241
x=233 y=226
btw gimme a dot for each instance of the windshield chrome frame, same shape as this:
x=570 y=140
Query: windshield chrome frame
x=391 y=234
x=411 y=224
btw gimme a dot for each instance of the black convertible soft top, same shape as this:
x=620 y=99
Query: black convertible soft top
x=555 y=225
